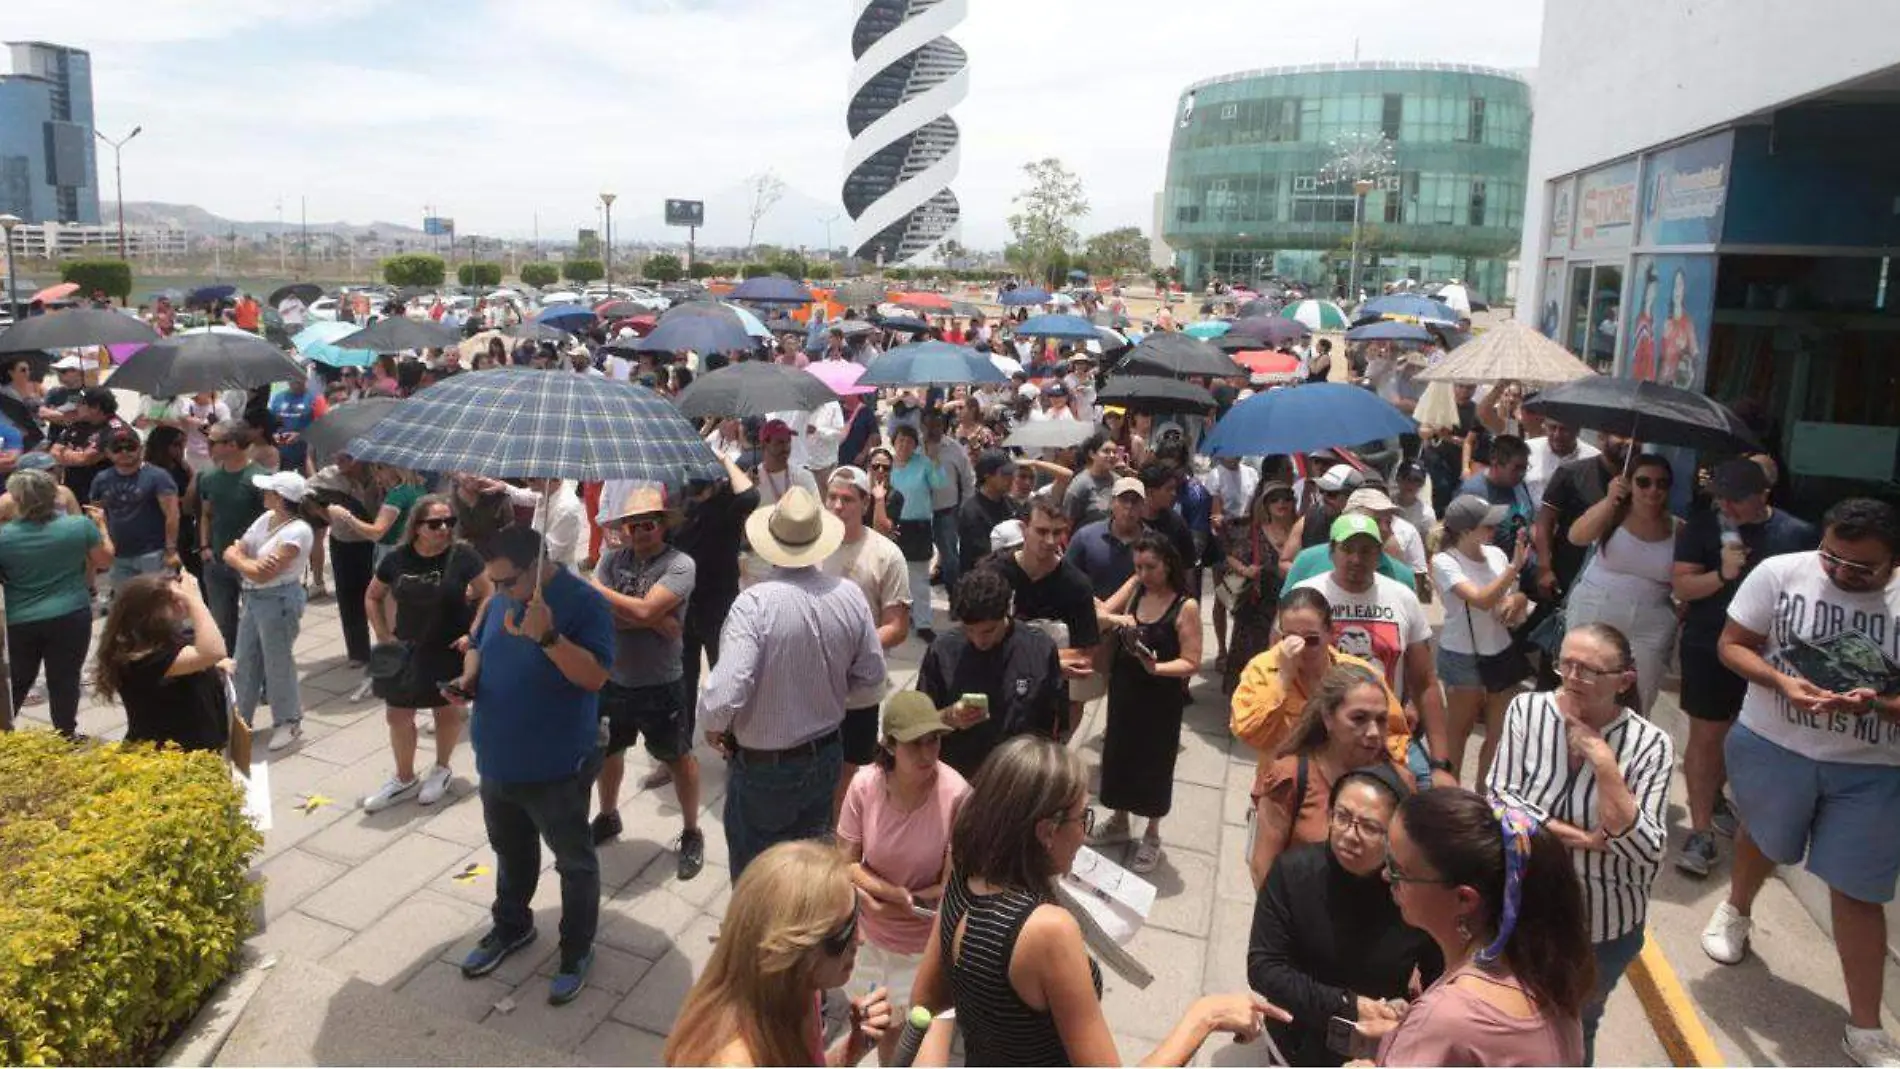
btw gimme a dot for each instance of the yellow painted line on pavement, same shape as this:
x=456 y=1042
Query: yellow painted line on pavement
x=1671 y=1013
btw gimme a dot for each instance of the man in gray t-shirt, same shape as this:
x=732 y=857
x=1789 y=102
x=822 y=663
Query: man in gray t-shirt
x=1087 y=499
x=647 y=584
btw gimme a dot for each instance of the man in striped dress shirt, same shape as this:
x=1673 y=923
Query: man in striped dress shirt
x=794 y=645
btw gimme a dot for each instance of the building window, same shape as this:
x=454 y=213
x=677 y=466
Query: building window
x=1475 y=130
x=1229 y=111
x=1305 y=183
x=1283 y=119
x=1393 y=116
x=1476 y=214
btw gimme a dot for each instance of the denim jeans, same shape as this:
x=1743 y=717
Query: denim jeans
x=124 y=568
x=768 y=804
x=266 y=639
x=919 y=593
x=943 y=531
x=1613 y=959
x=518 y=817
x=222 y=588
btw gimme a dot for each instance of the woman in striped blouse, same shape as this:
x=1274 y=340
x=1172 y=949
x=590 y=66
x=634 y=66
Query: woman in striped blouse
x=1600 y=772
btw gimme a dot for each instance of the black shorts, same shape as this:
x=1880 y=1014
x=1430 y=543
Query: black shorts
x=859 y=735
x=1710 y=689
x=657 y=712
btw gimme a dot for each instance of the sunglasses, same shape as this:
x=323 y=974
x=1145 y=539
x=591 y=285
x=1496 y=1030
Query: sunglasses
x=123 y=447
x=440 y=523
x=837 y=942
x=1644 y=482
x=643 y=525
x=880 y=467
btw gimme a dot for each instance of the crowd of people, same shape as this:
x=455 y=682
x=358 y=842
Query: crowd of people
x=1414 y=906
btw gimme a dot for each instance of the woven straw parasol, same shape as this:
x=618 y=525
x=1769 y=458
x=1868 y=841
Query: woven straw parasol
x=1509 y=351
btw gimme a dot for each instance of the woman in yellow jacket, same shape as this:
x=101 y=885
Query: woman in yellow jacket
x=1269 y=702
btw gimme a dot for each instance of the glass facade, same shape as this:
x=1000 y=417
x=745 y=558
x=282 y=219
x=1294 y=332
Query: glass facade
x=1249 y=194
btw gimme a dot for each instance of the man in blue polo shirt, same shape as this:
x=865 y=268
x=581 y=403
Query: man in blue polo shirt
x=540 y=657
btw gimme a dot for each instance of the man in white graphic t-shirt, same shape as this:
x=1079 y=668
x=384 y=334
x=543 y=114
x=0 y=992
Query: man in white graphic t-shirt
x=1814 y=757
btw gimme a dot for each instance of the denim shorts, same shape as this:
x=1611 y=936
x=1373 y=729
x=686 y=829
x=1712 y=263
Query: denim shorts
x=1839 y=815
x=1458 y=669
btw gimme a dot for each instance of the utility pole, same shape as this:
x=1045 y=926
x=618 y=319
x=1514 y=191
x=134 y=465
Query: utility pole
x=281 y=267
x=607 y=202
x=303 y=233
x=118 y=179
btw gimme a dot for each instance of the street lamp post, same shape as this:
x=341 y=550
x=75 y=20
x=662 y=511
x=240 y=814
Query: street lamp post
x=118 y=179
x=1360 y=188
x=607 y=200
x=7 y=223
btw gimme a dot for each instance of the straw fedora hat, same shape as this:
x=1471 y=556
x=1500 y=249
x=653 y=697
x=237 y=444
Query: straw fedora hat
x=646 y=499
x=796 y=532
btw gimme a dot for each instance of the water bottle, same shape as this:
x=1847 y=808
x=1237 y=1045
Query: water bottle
x=1731 y=535
x=916 y=1023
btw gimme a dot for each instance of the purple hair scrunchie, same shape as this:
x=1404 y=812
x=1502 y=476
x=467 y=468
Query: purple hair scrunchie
x=1517 y=822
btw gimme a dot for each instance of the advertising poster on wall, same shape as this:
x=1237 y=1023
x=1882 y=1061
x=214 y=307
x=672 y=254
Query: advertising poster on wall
x=1685 y=192
x=1550 y=297
x=1669 y=325
x=1606 y=208
x=1562 y=209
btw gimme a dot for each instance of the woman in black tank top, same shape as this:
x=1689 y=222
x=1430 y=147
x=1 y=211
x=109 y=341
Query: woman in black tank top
x=1008 y=957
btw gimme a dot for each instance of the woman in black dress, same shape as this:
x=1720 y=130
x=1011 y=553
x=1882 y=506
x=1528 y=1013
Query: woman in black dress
x=1158 y=649
x=165 y=449
x=159 y=655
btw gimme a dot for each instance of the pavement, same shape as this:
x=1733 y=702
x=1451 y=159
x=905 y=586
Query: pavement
x=366 y=915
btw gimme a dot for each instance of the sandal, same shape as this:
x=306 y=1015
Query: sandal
x=1147 y=856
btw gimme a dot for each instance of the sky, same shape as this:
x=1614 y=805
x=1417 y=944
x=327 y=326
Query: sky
x=515 y=114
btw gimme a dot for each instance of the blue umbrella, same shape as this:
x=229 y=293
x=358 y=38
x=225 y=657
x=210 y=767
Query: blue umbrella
x=1024 y=295
x=931 y=363
x=1305 y=418
x=1406 y=306
x=569 y=317
x=1208 y=329
x=771 y=289
x=701 y=326
x=206 y=294
x=317 y=342
x=1389 y=330
x=1056 y=326
x=507 y=423
x=753 y=325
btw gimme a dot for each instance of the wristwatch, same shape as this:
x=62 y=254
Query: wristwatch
x=1440 y=765
x=548 y=640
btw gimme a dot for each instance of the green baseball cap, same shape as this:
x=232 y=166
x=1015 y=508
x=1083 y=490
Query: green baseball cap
x=909 y=715
x=1355 y=523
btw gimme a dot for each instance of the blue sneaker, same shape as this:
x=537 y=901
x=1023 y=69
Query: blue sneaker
x=488 y=954
x=567 y=984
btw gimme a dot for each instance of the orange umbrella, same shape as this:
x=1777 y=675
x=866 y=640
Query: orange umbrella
x=1268 y=362
x=922 y=302
x=53 y=293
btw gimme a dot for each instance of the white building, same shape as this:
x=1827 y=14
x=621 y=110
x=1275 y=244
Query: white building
x=52 y=241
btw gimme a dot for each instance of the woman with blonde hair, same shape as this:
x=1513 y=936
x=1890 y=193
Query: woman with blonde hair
x=46 y=557
x=790 y=934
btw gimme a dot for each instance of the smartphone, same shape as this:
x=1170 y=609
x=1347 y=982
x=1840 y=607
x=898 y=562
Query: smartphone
x=452 y=688
x=979 y=702
x=1340 y=1034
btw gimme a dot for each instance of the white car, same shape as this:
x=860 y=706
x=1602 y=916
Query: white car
x=323 y=309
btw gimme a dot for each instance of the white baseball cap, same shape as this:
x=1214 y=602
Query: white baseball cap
x=285 y=484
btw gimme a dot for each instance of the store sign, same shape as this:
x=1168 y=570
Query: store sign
x=1562 y=212
x=1606 y=208
x=1686 y=191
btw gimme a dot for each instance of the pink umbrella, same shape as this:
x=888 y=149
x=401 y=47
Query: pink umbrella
x=122 y=353
x=841 y=375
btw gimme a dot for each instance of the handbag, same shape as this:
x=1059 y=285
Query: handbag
x=1499 y=671
x=393 y=663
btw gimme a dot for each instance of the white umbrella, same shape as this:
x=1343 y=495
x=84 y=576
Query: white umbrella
x=1512 y=350
x=1436 y=406
x=1005 y=365
x=1455 y=295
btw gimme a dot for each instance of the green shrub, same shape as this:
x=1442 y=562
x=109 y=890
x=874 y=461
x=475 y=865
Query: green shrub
x=583 y=271
x=703 y=269
x=111 y=277
x=754 y=271
x=662 y=267
x=123 y=895
x=414 y=269
x=819 y=272
x=479 y=274
x=540 y=274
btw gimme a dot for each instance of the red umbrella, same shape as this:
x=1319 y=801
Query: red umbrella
x=57 y=292
x=619 y=309
x=642 y=325
x=922 y=302
x=1269 y=362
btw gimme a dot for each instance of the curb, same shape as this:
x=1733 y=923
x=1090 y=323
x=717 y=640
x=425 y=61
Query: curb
x=1671 y=1012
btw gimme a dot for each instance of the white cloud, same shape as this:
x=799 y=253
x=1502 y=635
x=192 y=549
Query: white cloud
x=507 y=110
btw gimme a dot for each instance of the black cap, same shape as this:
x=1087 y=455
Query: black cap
x=1733 y=480
x=994 y=462
x=1412 y=471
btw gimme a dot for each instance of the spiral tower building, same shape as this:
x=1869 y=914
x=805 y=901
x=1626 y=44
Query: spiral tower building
x=906 y=77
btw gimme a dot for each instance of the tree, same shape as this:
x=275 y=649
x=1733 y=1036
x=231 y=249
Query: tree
x=703 y=269
x=952 y=251
x=479 y=274
x=754 y=270
x=1049 y=208
x=414 y=269
x=787 y=262
x=540 y=274
x=110 y=277
x=1113 y=252
x=662 y=267
x=764 y=189
x=583 y=271
x=819 y=272
x=587 y=245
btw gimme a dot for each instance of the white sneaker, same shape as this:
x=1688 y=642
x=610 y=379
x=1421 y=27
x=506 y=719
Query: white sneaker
x=426 y=724
x=434 y=785
x=389 y=794
x=362 y=689
x=1725 y=939
x=1870 y=1046
x=282 y=738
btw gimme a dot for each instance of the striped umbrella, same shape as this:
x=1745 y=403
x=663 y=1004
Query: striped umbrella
x=508 y=424
x=1317 y=315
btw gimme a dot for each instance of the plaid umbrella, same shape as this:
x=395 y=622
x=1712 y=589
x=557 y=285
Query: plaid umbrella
x=508 y=423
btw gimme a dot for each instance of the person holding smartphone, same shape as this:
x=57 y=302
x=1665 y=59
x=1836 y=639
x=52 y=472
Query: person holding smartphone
x=992 y=677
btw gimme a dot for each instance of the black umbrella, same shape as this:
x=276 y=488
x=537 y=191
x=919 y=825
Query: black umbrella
x=1259 y=306
x=753 y=388
x=396 y=333
x=330 y=433
x=536 y=332
x=1647 y=412
x=196 y=361
x=1269 y=330
x=904 y=324
x=205 y=296
x=303 y=291
x=1154 y=393
x=1169 y=353
x=74 y=328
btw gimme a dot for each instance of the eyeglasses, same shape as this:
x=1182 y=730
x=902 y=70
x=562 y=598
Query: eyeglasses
x=1644 y=482
x=1368 y=829
x=643 y=526
x=1087 y=819
x=1396 y=875
x=1570 y=666
x=1851 y=567
x=841 y=940
x=440 y=523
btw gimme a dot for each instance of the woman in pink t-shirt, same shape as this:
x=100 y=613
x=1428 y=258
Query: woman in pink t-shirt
x=895 y=829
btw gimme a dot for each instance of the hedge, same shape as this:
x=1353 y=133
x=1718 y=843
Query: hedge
x=414 y=269
x=111 y=277
x=123 y=896
x=583 y=271
x=540 y=274
x=479 y=274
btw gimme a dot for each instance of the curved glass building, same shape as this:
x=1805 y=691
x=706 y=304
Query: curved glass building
x=906 y=75
x=1254 y=189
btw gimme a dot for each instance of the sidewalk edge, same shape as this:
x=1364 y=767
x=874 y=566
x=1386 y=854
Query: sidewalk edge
x=1671 y=1012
